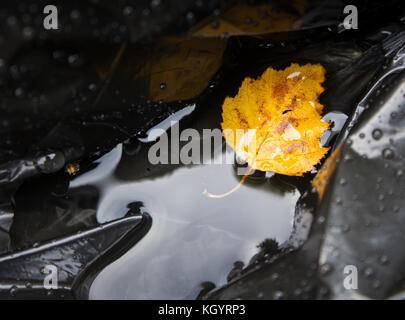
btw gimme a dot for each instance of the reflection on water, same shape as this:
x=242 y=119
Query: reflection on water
x=193 y=238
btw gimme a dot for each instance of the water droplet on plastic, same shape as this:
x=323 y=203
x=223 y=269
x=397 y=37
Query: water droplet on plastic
x=75 y=14
x=275 y=276
x=388 y=153
x=326 y=268
x=155 y=3
x=383 y=259
x=128 y=10
x=298 y=292
x=278 y=295
x=377 y=134
x=13 y=290
x=368 y=272
x=19 y=92
x=190 y=17
x=28 y=32
x=74 y=60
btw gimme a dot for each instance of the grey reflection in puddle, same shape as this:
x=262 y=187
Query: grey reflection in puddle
x=193 y=238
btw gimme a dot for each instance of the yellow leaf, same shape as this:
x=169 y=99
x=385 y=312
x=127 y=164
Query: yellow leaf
x=283 y=110
x=184 y=65
x=322 y=178
x=242 y=19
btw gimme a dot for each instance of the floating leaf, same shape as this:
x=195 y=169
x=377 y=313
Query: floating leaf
x=282 y=112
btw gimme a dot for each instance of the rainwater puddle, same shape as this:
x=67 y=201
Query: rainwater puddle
x=193 y=238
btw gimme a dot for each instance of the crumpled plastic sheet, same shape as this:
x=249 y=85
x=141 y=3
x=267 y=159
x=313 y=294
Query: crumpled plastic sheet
x=22 y=273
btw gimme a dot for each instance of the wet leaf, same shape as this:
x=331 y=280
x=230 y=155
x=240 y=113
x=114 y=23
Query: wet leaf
x=178 y=68
x=322 y=178
x=274 y=123
x=252 y=20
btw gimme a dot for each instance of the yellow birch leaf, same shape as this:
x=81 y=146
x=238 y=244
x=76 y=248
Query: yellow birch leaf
x=282 y=109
